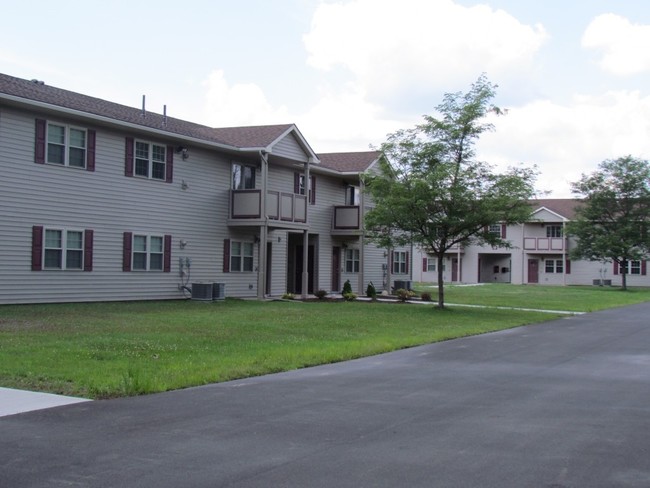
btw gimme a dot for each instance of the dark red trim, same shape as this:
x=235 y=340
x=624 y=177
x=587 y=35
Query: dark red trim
x=39 y=144
x=90 y=150
x=226 y=255
x=296 y=183
x=167 y=254
x=644 y=268
x=312 y=194
x=128 y=157
x=37 y=248
x=567 y=266
x=88 y=249
x=169 y=166
x=408 y=259
x=503 y=231
x=425 y=264
x=616 y=267
x=126 y=251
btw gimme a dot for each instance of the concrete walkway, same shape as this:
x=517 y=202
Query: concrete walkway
x=562 y=404
x=18 y=401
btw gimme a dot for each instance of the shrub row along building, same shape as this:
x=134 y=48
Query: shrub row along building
x=101 y=201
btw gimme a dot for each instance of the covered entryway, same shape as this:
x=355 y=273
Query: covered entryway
x=336 y=268
x=495 y=268
x=295 y=263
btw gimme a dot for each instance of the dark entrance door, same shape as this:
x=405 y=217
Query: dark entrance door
x=336 y=268
x=455 y=270
x=533 y=271
x=299 y=267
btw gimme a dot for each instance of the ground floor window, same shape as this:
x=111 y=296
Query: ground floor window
x=241 y=256
x=400 y=262
x=351 y=260
x=63 y=249
x=554 y=266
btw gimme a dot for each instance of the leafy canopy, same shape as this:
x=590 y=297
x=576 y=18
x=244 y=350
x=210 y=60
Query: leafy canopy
x=611 y=223
x=430 y=189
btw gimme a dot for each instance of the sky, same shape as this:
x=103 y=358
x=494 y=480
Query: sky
x=573 y=75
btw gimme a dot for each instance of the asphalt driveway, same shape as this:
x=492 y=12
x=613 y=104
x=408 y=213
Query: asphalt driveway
x=560 y=404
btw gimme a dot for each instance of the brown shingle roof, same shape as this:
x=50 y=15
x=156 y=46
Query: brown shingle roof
x=349 y=162
x=562 y=206
x=258 y=136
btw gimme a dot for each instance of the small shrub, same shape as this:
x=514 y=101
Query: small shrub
x=404 y=295
x=288 y=296
x=350 y=297
x=320 y=294
x=371 y=292
x=347 y=287
x=425 y=296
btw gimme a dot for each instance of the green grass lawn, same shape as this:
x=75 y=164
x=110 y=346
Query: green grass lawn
x=102 y=350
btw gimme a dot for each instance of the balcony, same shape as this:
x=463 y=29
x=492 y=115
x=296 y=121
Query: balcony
x=550 y=245
x=282 y=209
x=346 y=220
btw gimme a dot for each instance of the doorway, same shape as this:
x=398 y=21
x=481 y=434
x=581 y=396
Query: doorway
x=533 y=271
x=336 y=268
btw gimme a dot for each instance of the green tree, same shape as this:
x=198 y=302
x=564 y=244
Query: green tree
x=611 y=223
x=430 y=189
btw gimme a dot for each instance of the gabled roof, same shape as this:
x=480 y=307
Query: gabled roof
x=564 y=207
x=251 y=136
x=349 y=162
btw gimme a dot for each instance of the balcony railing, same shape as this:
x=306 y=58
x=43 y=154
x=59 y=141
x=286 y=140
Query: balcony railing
x=346 y=219
x=246 y=205
x=545 y=244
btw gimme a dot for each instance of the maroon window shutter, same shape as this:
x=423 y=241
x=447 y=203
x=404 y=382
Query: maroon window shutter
x=296 y=183
x=167 y=254
x=39 y=147
x=37 y=248
x=226 y=255
x=128 y=157
x=169 y=167
x=88 y=249
x=90 y=150
x=408 y=260
x=644 y=267
x=615 y=267
x=567 y=266
x=126 y=251
x=503 y=231
x=312 y=195
x=425 y=264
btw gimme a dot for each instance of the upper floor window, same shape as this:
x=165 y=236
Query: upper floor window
x=62 y=249
x=553 y=231
x=353 y=195
x=149 y=160
x=400 y=262
x=352 y=261
x=241 y=256
x=64 y=145
x=299 y=187
x=243 y=177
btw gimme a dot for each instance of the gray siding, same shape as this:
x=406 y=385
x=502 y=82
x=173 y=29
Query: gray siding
x=289 y=147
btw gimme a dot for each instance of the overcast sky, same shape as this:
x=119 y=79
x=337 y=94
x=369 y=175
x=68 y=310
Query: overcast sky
x=573 y=74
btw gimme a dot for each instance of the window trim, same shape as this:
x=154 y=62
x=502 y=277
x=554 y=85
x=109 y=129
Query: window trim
x=39 y=248
x=130 y=160
x=553 y=229
x=557 y=266
x=299 y=186
x=352 y=260
x=128 y=252
x=41 y=144
x=399 y=265
x=242 y=256
x=242 y=177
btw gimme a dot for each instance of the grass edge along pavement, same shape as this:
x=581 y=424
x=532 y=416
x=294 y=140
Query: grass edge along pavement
x=103 y=350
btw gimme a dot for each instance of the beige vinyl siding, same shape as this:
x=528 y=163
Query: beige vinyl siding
x=289 y=147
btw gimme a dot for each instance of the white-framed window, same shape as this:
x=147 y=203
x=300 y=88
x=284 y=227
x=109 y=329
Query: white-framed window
x=299 y=187
x=495 y=229
x=66 y=145
x=147 y=254
x=241 y=256
x=431 y=264
x=633 y=267
x=353 y=195
x=400 y=265
x=553 y=231
x=554 y=266
x=243 y=177
x=150 y=160
x=63 y=249
x=352 y=261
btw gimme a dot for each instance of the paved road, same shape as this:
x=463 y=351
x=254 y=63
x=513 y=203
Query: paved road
x=560 y=404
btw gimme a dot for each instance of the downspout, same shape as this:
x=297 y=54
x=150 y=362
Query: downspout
x=564 y=246
x=362 y=263
x=305 y=237
x=523 y=251
x=264 y=228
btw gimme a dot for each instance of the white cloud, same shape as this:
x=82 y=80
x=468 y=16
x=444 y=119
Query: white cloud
x=392 y=46
x=238 y=104
x=568 y=140
x=625 y=46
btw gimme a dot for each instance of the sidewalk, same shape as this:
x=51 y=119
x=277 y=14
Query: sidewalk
x=18 y=401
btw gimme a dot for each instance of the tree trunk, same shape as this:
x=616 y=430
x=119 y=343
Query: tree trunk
x=441 y=282
x=624 y=279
